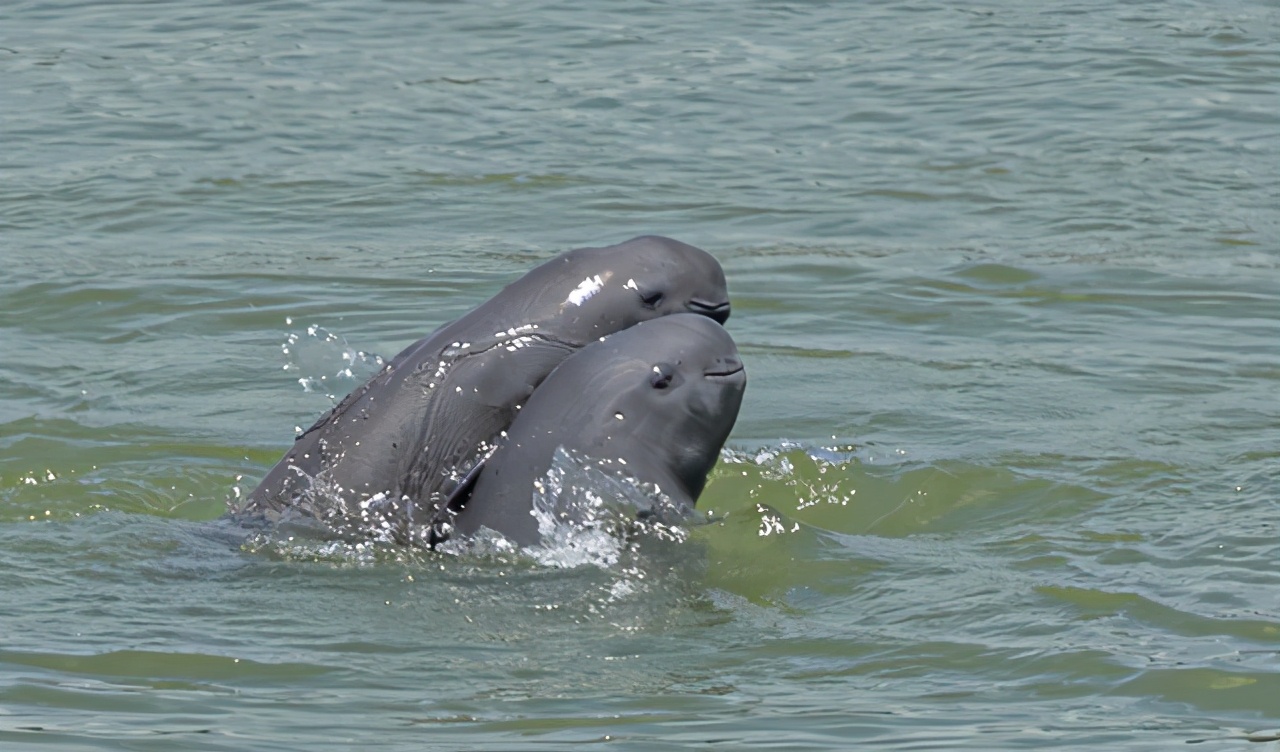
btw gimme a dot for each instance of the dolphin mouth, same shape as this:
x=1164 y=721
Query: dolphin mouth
x=717 y=311
x=727 y=373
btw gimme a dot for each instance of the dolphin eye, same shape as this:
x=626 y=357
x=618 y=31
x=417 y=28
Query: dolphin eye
x=651 y=299
x=661 y=376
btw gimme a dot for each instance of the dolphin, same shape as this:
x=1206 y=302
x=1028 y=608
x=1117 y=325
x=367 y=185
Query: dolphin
x=394 y=452
x=653 y=403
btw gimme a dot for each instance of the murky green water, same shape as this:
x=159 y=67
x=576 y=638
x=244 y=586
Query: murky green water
x=1006 y=279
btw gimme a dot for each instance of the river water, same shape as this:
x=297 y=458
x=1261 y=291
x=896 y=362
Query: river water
x=1006 y=279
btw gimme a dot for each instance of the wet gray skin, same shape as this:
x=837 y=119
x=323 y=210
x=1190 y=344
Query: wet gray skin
x=390 y=454
x=655 y=402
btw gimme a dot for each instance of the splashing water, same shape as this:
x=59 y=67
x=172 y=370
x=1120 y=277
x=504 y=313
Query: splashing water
x=323 y=361
x=586 y=515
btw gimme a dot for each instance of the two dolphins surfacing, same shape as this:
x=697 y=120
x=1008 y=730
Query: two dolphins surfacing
x=616 y=354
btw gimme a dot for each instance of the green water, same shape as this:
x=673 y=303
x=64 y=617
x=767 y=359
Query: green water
x=1006 y=280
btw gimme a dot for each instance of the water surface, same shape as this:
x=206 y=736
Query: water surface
x=1006 y=280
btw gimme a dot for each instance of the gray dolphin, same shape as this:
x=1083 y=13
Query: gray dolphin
x=654 y=403
x=389 y=455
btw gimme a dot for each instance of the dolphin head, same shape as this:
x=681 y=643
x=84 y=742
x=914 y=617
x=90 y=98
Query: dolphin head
x=673 y=393
x=589 y=293
x=654 y=403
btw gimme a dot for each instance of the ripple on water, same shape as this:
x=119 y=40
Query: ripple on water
x=1016 y=263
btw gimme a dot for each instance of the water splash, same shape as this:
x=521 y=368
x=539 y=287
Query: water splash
x=587 y=511
x=587 y=515
x=323 y=361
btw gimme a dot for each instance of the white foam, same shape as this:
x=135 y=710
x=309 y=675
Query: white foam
x=586 y=514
